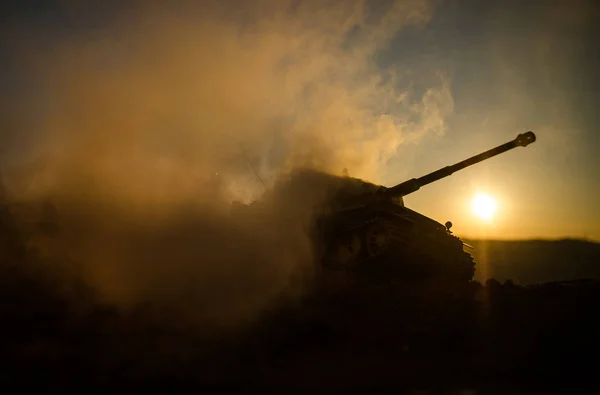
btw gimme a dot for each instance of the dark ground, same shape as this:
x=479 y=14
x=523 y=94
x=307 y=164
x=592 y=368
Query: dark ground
x=492 y=338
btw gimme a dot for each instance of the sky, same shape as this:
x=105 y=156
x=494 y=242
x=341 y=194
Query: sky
x=515 y=66
x=136 y=99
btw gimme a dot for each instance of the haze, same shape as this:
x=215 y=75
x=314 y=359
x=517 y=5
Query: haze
x=158 y=116
x=387 y=90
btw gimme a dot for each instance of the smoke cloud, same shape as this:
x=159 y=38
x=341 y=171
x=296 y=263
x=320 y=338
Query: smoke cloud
x=143 y=130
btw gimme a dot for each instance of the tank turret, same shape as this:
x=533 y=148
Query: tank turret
x=373 y=232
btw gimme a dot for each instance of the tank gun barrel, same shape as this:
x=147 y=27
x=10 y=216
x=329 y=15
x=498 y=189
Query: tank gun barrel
x=415 y=184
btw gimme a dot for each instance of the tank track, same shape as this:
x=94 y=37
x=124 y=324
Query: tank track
x=383 y=248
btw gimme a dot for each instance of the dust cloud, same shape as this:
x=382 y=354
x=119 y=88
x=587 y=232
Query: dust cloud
x=142 y=131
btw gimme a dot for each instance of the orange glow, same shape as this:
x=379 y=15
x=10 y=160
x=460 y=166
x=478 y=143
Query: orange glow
x=484 y=206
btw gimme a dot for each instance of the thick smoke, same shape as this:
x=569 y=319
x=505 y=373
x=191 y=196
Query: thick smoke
x=144 y=130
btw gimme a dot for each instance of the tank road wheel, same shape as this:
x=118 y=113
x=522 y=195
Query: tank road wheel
x=383 y=238
x=345 y=252
x=377 y=239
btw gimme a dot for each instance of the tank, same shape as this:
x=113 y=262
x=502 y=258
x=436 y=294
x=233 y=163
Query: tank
x=366 y=229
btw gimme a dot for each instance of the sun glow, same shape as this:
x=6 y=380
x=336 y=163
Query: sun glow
x=484 y=206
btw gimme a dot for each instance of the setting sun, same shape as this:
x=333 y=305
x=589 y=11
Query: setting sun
x=484 y=206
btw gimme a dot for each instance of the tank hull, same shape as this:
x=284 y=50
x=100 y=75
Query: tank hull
x=388 y=241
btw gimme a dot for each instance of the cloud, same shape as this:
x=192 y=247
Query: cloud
x=142 y=128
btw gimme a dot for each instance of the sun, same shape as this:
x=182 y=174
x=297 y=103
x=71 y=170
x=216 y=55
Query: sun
x=484 y=206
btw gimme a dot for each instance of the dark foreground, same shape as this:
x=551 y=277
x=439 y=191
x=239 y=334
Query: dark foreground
x=484 y=339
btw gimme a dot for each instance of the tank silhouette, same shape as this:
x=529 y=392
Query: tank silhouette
x=367 y=229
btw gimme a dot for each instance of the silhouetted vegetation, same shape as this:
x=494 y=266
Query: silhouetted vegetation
x=534 y=261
